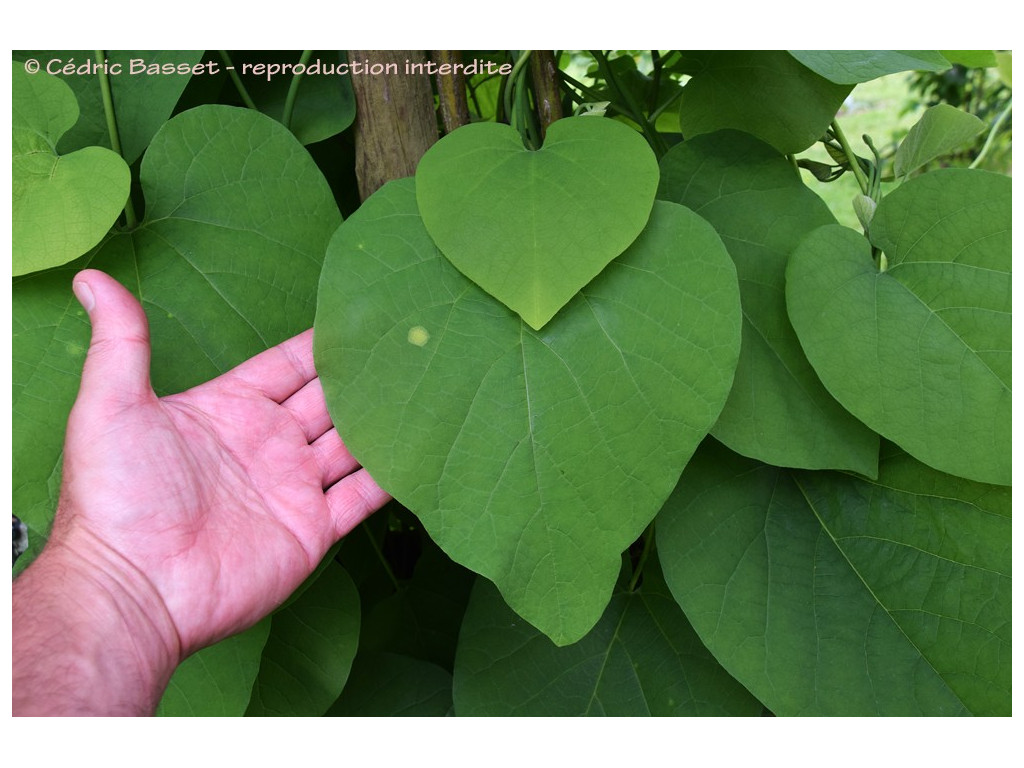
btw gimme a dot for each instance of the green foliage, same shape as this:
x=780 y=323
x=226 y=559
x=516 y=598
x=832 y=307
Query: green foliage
x=919 y=352
x=63 y=204
x=532 y=228
x=437 y=382
x=642 y=658
x=634 y=443
x=977 y=84
x=778 y=411
x=226 y=263
x=861 y=66
x=894 y=592
x=217 y=681
x=940 y=130
x=308 y=655
x=768 y=94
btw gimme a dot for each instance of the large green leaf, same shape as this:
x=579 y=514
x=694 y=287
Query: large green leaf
x=921 y=352
x=423 y=617
x=226 y=264
x=217 y=681
x=309 y=653
x=766 y=93
x=829 y=594
x=390 y=685
x=142 y=99
x=642 y=658
x=534 y=458
x=860 y=66
x=941 y=129
x=532 y=228
x=778 y=411
x=63 y=205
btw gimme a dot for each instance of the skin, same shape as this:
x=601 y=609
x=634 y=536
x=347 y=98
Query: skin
x=182 y=520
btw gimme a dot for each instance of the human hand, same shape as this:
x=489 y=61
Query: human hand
x=196 y=514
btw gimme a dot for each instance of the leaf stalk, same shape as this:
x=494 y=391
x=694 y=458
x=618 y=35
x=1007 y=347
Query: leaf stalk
x=239 y=85
x=293 y=91
x=991 y=135
x=858 y=172
x=130 y=219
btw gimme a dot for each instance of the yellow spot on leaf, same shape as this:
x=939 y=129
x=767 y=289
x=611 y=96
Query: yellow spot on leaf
x=418 y=335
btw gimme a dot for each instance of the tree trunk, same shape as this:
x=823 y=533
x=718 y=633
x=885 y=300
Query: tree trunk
x=451 y=92
x=395 y=120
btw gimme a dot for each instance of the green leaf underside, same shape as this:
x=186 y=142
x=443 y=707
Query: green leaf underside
x=940 y=130
x=532 y=228
x=971 y=58
x=309 y=653
x=533 y=458
x=391 y=685
x=921 y=353
x=217 y=681
x=63 y=205
x=642 y=658
x=226 y=264
x=142 y=102
x=778 y=410
x=765 y=93
x=860 y=66
x=828 y=594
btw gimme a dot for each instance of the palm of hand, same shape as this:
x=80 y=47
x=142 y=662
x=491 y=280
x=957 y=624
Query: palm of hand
x=217 y=494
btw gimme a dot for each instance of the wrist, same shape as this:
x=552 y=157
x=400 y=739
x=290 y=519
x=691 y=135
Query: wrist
x=90 y=634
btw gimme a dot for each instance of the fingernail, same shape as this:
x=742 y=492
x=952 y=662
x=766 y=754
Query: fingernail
x=84 y=295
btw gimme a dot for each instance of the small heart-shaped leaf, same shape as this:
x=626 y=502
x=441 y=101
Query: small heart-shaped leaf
x=532 y=228
x=62 y=205
x=941 y=129
x=534 y=458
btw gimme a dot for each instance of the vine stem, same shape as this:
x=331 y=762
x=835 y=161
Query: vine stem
x=858 y=172
x=644 y=554
x=239 y=85
x=513 y=97
x=115 y=140
x=991 y=135
x=293 y=91
x=380 y=556
x=635 y=113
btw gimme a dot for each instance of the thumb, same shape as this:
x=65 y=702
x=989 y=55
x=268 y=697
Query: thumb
x=116 y=367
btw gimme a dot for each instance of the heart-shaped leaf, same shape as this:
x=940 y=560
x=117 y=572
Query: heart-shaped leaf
x=308 y=655
x=532 y=228
x=861 y=66
x=392 y=685
x=643 y=658
x=778 y=410
x=921 y=352
x=534 y=458
x=217 y=681
x=941 y=129
x=142 y=100
x=765 y=93
x=225 y=263
x=62 y=205
x=830 y=594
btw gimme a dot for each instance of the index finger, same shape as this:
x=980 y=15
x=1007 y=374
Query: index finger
x=281 y=371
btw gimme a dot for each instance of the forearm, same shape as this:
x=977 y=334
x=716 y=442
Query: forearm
x=85 y=640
